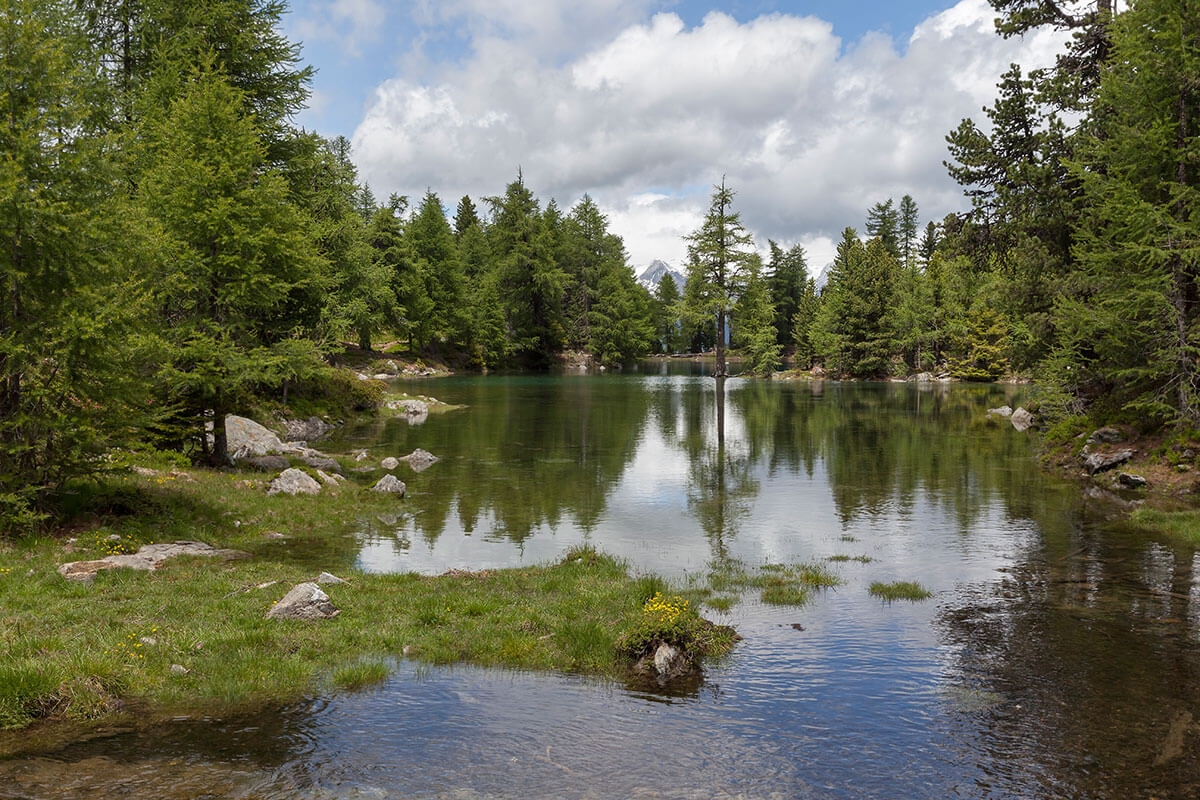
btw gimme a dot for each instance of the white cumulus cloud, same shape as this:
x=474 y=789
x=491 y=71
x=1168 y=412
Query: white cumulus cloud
x=808 y=129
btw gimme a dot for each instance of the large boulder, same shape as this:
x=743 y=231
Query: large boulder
x=390 y=484
x=420 y=460
x=294 y=481
x=304 y=601
x=148 y=557
x=323 y=463
x=268 y=463
x=1022 y=420
x=245 y=438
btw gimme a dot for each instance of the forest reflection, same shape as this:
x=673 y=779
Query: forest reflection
x=532 y=453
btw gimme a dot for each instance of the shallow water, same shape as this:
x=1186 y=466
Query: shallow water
x=1059 y=658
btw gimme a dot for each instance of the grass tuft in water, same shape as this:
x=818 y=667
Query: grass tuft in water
x=786 y=595
x=1182 y=525
x=841 y=559
x=360 y=674
x=900 y=590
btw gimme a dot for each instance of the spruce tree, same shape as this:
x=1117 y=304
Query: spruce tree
x=668 y=327
x=755 y=331
x=883 y=223
x=788 y=276
x=908 y=231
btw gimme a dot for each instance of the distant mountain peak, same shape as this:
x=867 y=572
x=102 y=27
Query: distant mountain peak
x=651 y=276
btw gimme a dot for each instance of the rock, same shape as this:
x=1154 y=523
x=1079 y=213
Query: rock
x=179 y=669
x=389 y=463
x=361 y=455
x=329 y=577
x=330 y=480
x=323 y=462
x=273 y=535
x=1130 y=481
x=148 y=557
x=267 y=463
x=304 y=601
x=670 y=662
x=294 y=481
x=306 y=430
x=420 y=460
x=1022 y=420
x=382 y=376
x=922 y=377
x=1099 y=462
x=245 y=438
x=414 y=411
x=390 y=483
x=149 y=641
x=1107 y=435
x=1002 y=411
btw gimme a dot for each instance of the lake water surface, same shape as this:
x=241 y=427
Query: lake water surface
x=1059 y=657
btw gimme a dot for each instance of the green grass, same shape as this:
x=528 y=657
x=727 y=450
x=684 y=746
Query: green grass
x=786 y=595
x=1182 y=525
x=844 y=558
x=77 y=651
x=778 y=584
x=900 y=590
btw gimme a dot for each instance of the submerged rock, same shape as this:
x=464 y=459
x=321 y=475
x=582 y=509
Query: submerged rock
x=390 y=484
x=148 y=557
x=420 y=460
x=294 y=481
x=304 y=601
x=306 y=430
x=1002 y=411
x=1022 y=420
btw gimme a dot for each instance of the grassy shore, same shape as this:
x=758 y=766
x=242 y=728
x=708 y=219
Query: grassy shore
x=192 y=635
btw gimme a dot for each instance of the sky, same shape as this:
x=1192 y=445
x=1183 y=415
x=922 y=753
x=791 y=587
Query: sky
x=812 y=110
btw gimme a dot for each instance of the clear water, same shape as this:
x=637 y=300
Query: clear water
x=1059 y=658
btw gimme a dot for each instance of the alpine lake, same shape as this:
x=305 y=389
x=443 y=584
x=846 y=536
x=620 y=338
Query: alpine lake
x=1058 y=657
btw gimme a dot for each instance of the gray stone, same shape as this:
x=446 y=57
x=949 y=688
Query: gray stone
x=1022 y=420
x=330 y=480
x=670 y=662
x=323 y=462
x=361 y=455
x=1099 y=462
x=179 y=669
x=305 y=430
x=414 y=411
x=148 y=557
x=1002 y=411
x=922 y=377
x=329 y=577
x=390 y=484
x=267 y=463
x=389 y=463
x=149 y=641
x=294 y=481
x=304 y=601
x=1107 y=435
x=1130 y=481
x=245 y=438
x=420 y=460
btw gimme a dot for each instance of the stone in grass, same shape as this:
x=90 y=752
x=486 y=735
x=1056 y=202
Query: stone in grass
x=304 y=601
x=1130 y=481
x=179 y=669
x=390 y=484
x=330 y=480
x=294 y=481
x=389 y=463
x=329 y=577
x=148 y=557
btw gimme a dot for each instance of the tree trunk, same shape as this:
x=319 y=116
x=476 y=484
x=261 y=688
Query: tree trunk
x=219 y=456
x=720 y=371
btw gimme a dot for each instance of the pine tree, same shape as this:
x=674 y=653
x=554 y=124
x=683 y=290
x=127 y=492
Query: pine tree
x=432 y=244
x=718 y=254
x=788 y=279
x=929 y=243
x=806 y=314
x=465 y=216
x=668 y=327
x=755 y=315
x=985 y=348
x=853 y=331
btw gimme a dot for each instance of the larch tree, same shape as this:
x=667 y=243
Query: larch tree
x=719 y=254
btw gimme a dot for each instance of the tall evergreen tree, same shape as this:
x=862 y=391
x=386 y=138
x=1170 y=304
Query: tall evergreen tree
x=756 y=333
x=908 y=224
x=788 y=278
x=883 y=223
x=433 y=246
x=238 y=254
x=853 y=331
x=668 y=326
x=718 y=256
x=69 y=263
x=1134 y=325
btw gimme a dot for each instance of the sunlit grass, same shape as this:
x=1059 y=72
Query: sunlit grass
x=1182 y=525
x=900 y=590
